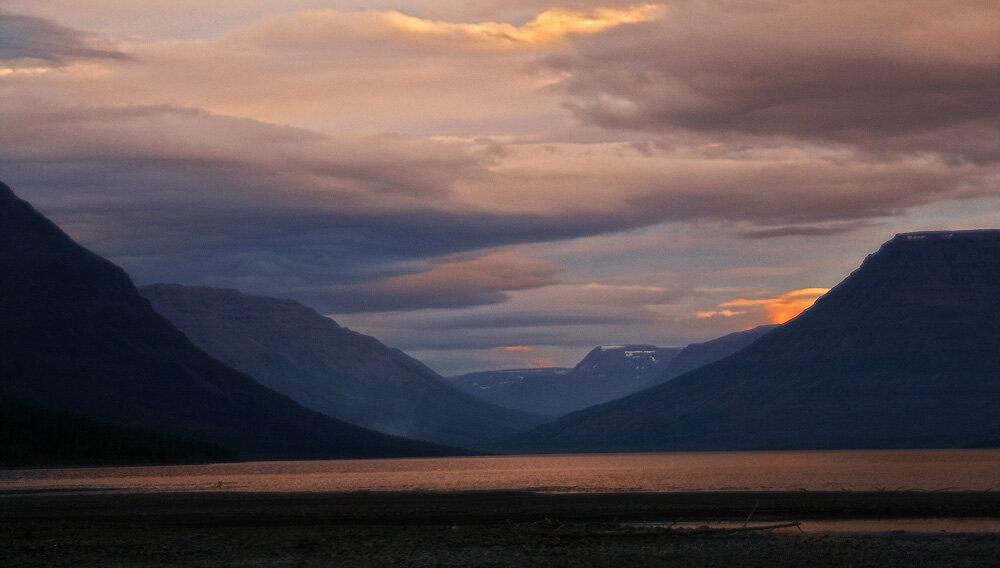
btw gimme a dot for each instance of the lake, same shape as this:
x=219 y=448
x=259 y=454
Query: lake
x=923 y=470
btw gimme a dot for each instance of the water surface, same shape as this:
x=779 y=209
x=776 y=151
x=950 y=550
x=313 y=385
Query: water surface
x=922 y=470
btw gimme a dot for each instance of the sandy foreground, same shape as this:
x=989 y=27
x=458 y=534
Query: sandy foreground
x=890 y=528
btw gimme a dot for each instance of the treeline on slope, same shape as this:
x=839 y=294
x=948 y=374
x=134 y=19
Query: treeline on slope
x=35 y=437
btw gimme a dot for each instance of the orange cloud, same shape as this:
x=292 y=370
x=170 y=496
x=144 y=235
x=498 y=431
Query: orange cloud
x=717 y=313
x=9 y=71
x=781 y=309
x=792 y=304
x=332 y=27
x=516 y=348
x=548 y=27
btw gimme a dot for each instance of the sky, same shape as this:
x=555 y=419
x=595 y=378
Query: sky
x=506 y=184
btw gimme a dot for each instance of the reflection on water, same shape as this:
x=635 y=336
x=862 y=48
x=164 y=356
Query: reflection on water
x=926 y=470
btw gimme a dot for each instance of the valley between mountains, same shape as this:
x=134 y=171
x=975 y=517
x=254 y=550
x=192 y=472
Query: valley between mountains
x=902 y=354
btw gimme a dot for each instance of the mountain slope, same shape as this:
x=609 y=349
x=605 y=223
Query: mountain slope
x=701 y=354
x=606 y=373
x=35 y=437
x=76 y=335
x=903 y=353
x=294 y=350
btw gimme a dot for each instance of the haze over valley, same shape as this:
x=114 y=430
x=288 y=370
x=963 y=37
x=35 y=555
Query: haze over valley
x=901 y=354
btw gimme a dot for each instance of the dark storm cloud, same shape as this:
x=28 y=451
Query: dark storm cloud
x=867 y=73
x=26 y=37
x=181 y=195
x=487 y=339
x=780 y=232
x=362 y=299
x=450 y=283
x=524 y=320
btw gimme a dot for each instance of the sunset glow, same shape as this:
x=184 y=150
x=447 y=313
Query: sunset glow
x=549 y=26
x=456 y=178
x=792 y=304
x=775 y=310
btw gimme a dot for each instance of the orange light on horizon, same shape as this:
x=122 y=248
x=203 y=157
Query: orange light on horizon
x=792 y=304
x=516 y=348
x=781 y=309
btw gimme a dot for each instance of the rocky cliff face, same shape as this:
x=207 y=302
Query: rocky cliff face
x=903 y=353
x=606 y=373
x=294 y=350
x=75 y=334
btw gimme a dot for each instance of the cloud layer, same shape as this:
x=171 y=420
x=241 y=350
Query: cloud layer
x=328 y=28
x=468 y=176
x=27 y=41
x=177 y=193
x=872 y=74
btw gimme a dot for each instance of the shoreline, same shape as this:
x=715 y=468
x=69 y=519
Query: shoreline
x=485 y=507
x=487 y=528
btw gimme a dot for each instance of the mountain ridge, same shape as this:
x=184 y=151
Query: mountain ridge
x=700 y=354
x=902 y=353
x=607 y=372
x=75 y=334
x=292 y=349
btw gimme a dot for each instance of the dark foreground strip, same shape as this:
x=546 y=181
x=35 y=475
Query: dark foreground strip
x=470 y=508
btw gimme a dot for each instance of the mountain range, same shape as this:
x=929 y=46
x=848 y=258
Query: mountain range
x=700 y=354
x=76 y=335
x=606 y=373
x=903 y=353
x=290 y=348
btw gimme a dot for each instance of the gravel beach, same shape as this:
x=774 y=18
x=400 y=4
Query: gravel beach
x=489 y=529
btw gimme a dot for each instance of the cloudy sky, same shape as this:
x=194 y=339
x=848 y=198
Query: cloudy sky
x=492 y=184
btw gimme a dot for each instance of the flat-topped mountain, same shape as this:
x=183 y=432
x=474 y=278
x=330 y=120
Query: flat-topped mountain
x=606 y=373
x=903 y=353
x=479 y=382
x=75 y=334
x=294 y=350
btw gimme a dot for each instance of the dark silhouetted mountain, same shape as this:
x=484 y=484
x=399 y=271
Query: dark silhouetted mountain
x=35 y=437
x=606 y=373
x=903 y=353
x=701 y=354
x=75 y=334
x=294 y=350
